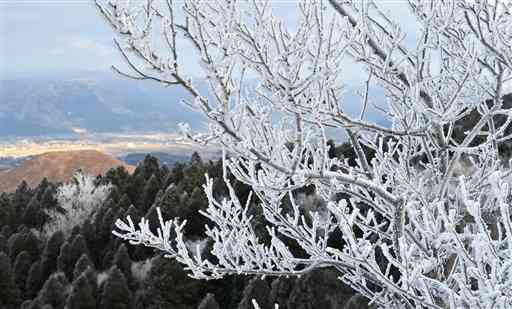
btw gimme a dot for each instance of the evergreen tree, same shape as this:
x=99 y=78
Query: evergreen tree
x=100 y=213
x=123 y=262
x=117 y=176
x=21 y=268
x=85 y=267
x=169 y=203
x=158 y=196
x=107 y=225
x=114 y=194
x=92 y=276
x=164 y=172
x=134 y=188
x=53 y=291
x=9 y=293
x=133 y=213
x=6 y=211
x=195 y=159
x=48 y=200
x=143 y=300
x=124 y=201
x=70 y=253
x=91 y=243
x=81 y=296
x=51 y=253
x=229 y=290
x=88 y=231
x=149 y=193
x=115 y=293
x=319 y=289
x=83 y=263
x=24 y=240
x=149 y=167
x=99 y=243
x=79 y=247
x=332 y=149
x=22 y=196
x=280 y=291
x=258 y=290
x=108 y=256
x=193 y=177
x=41 y=188
x=35 y=280
x=208 y=302
x=176 y=175
x=3 y=244
x=169 y=286
x=65 y=260
x=33 y=215
x=197 y=201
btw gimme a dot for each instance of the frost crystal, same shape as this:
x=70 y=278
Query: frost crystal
x=427 y=220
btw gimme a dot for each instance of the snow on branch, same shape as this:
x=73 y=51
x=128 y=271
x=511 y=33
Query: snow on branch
x=78 y=200
x=423 y=217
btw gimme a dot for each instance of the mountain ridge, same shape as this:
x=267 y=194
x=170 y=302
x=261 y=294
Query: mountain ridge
x=45 y=106
x=58 y=166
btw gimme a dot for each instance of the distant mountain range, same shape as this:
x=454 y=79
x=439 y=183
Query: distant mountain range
x=10 y=162
x=66 y=105
x=44 y=106
x=58 y=167
x=164 y=158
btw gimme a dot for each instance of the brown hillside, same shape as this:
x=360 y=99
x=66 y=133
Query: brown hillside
x=58 y=167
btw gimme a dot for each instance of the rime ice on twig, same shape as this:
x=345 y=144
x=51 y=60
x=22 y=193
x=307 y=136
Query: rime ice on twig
x=78 y=200
x=430 y=236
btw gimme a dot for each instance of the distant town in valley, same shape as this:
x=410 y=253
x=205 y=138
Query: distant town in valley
x=115 y=144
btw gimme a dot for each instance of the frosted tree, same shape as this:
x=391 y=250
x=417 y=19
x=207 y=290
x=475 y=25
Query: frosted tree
x=277 y=91
x=78 y=200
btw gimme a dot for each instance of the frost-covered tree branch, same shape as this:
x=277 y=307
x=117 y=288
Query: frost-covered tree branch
x=416 y=231
x=77 y=201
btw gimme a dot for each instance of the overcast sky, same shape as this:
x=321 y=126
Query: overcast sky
x=51 y=36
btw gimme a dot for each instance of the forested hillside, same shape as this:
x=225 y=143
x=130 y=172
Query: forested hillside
x=52 y=259
x=57 y=249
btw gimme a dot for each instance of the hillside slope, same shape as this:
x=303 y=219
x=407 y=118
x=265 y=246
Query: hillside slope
x=58 y=167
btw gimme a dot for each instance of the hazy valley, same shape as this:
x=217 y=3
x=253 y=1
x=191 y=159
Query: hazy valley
x=67 y=106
